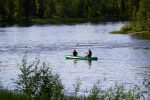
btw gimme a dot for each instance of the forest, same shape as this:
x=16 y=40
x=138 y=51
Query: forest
x=24 y=11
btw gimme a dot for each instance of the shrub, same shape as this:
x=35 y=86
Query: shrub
x=126 y=28
x=38 y=82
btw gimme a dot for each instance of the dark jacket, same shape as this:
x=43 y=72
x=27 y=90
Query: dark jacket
x=75 y=53
x=89 y=53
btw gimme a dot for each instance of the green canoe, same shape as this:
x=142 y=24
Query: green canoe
x=81 y=57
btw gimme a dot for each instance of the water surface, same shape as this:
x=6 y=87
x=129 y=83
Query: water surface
x=121 y=58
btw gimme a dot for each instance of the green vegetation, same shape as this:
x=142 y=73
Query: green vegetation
x=6 y=94
x=141 y=22
x=57 y=20
x=37 y=82
x=28 y=12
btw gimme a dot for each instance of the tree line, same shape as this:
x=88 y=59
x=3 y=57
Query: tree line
x=24 y=10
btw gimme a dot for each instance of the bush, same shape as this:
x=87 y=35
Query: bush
x=126 y=28
x=38 y=82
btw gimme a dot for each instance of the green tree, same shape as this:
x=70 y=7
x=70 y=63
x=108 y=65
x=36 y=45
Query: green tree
x=40 y=4
x=49 y=9
x=23 y=11
x=10 y=9
x=143 y=16
x=3 y=11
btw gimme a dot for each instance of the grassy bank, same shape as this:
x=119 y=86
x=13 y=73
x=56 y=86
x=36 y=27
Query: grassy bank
x=132 y=28
x=37 y=82
x=118 y=92
x=6 y=94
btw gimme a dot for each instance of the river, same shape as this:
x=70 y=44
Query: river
x=122 y=58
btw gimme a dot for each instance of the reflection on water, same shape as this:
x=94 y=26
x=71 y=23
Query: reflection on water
x=88 y=62
x=75 y=62
x=122 y=58
x=141 y=36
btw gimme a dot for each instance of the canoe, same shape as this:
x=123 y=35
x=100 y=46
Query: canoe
x=80 y=57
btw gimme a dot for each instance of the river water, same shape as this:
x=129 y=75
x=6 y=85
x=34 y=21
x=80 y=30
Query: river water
x=122 y=58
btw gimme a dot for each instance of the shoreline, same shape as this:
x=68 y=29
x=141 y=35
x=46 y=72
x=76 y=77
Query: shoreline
x=131 y=32
x=132 y=28
x=61 y=21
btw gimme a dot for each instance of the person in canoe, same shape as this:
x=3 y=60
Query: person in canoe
x=75 y=53
x=89 y=54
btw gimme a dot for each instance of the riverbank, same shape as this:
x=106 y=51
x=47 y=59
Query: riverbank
x=131 y=32
x=117 y=92
x=6 y=94
x=59 y=20
x=73 y=20
x=131 y=29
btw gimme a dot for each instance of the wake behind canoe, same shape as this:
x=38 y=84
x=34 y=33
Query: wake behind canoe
x=80 y=57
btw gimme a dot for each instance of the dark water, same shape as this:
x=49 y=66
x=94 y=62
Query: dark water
x=121 y=58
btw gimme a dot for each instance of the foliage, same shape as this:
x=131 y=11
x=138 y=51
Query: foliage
x=117 y=92
x=37 y=81
x=23 y=11
x=6 y=94
x=77 y=86
x=141 y=20
x=94 y=94
x=126 y=28
x=143 y=16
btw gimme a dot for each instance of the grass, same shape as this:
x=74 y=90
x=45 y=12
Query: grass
x=133 y=28
x=118 y=92
x=6 y=94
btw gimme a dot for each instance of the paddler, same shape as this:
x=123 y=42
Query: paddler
x=75 y=53
x=89 y=54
